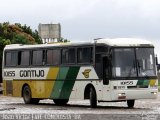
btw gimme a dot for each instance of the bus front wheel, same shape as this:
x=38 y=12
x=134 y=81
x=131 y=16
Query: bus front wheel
x=130 y=103
x=93 y=98
x=27 y=96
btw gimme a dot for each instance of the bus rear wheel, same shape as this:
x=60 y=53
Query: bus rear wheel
x=93 y=98
x=27 y=96
x=130 y=103
x=60 y=101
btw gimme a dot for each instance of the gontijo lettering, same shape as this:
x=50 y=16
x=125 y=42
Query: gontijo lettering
x=31 y=73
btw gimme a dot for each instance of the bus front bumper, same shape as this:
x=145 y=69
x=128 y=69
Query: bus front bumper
x=134 y=94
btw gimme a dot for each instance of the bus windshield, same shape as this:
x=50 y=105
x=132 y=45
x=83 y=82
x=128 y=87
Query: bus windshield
x=133 y=62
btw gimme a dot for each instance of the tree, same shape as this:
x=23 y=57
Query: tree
x=28 y=30
x=3 y=43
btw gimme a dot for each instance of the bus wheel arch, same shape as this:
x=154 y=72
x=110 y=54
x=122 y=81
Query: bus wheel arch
x=87 y=91
x=90 y=93
x=27 y=95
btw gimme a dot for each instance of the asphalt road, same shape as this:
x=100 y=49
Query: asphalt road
x=14 y=108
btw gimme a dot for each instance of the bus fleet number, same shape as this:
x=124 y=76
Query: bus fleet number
x=9 y=73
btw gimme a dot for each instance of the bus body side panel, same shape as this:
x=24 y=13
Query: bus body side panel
x=86 y=76
x=71 y=83
x=7 y=87
x=64 y=83
x=39 y=88
x=41 y=85
x=53 y=82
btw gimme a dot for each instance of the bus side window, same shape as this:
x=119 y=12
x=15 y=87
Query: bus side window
x=11 y=59
x=38 y=57
x=53 y=57
x=23 y=58
x=68 y=56
x=49 y=60
x=71 y=55
x=84 y=55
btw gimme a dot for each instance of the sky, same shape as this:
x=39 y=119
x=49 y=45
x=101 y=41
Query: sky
x=84 y=20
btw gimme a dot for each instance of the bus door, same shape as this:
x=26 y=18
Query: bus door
x=106 y=78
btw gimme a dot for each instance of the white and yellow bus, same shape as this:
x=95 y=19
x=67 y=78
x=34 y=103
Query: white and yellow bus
x=105 y=70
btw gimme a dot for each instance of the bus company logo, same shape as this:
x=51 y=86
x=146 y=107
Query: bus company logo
x=86 y=73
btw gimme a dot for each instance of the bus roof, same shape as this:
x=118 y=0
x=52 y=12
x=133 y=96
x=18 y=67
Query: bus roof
x=124 y=42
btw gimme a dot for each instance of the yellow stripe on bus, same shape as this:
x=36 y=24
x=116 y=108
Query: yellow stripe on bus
x=52 y=76
x=152 y=82
x=52 y=73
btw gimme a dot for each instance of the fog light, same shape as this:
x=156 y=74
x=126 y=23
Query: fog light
x=121 y=94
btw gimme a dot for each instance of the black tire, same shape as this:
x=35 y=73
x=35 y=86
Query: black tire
x=93 y=98
x=27 y=96
x=60 y=101
x=130 y=103
x=35 y=101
